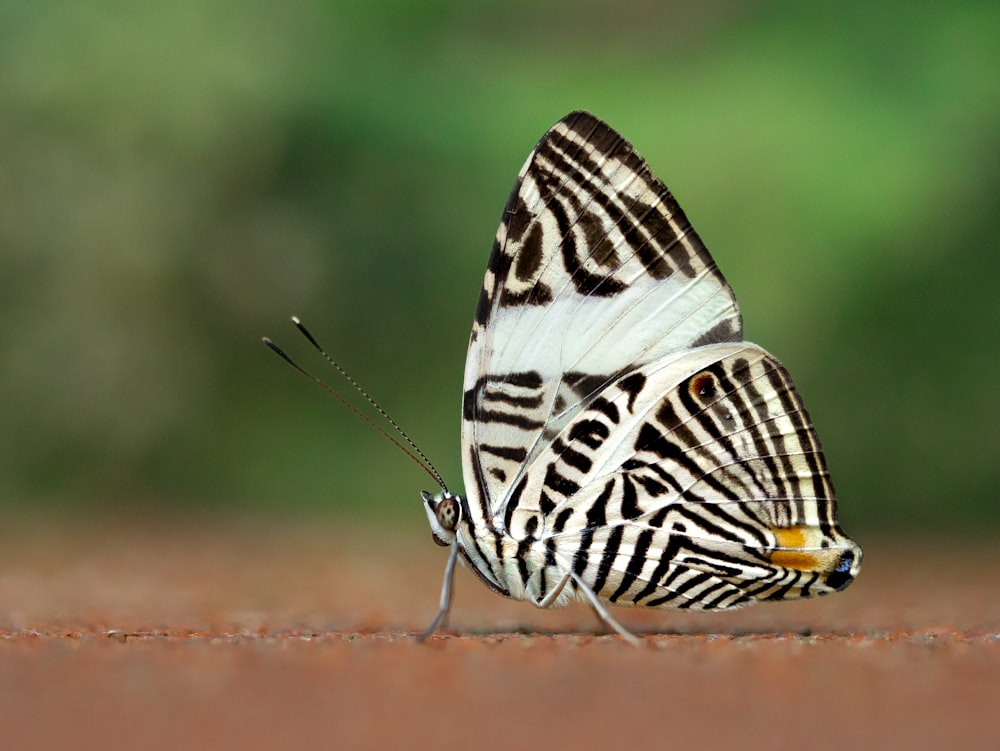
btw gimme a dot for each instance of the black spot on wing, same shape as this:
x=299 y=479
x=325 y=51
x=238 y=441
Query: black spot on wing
x=536 y=295
x=591 y=433
x=722 y=332
x=529 y=255
x=597 y=514
x=570 y=456
x=652 y=486
x=585 y=384
x=630 y=499
x=558 y=482
x=561 y=519
x=632 y=385
x=527 y=379
x=514 y=501
x=650 y=439
x=516 y=215
x=511 y=453
x=608 y=409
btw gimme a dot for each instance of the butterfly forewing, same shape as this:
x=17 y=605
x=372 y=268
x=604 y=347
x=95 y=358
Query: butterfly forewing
x=595 y=271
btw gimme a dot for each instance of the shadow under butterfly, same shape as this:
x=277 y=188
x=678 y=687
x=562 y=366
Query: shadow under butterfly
x=622 y=445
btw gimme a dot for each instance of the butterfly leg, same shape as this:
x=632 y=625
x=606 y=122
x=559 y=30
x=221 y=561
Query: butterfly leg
x=446 y=587
x=603 y=613
x=551 y=596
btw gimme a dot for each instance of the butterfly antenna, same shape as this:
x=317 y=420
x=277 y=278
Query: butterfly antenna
x=425 y=464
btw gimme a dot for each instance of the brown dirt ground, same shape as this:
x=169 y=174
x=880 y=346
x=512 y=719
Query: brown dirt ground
x=252 y=635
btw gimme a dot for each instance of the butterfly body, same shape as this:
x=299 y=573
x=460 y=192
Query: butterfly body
x=622 y=444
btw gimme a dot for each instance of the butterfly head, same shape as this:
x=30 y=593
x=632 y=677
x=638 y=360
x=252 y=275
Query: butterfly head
x=444 y=512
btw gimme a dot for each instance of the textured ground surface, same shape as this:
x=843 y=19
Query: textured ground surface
x=251 y=636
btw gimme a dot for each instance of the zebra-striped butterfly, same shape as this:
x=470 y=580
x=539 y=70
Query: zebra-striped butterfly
x=621 y=443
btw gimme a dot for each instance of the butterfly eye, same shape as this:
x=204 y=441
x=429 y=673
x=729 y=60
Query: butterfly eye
x=703 y=386
x=447 y=514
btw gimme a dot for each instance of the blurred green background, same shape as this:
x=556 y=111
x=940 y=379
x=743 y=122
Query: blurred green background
x=176 y=179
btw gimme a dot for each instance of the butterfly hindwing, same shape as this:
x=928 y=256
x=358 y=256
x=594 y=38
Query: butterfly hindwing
x=696 y=481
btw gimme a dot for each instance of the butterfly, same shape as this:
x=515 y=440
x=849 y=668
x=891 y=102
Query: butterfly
x=621 y=443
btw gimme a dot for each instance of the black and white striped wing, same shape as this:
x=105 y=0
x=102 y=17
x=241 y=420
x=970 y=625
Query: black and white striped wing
x=595 y=272
x=693 y=482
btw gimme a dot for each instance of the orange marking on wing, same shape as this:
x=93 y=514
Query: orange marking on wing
x=790 y=552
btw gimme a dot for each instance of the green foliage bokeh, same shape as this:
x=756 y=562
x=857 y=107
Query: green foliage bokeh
x=177 y=179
